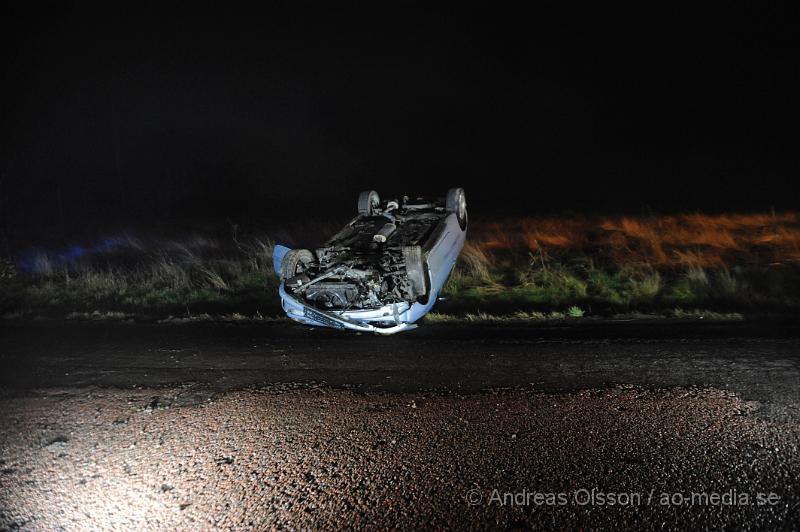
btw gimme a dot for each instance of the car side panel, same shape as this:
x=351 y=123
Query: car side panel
x=443 y=255
x=441 y=259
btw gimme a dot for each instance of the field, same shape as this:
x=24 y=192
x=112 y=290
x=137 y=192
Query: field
x=533 y=267
x=624 y=264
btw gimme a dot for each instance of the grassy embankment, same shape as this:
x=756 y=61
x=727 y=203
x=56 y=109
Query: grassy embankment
x=530 y=268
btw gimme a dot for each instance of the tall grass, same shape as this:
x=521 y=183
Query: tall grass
x=625 y=263
x=532 y=264
x=151 y=275
x=665 y=241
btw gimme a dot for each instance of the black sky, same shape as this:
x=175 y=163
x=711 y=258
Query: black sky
x=138 y=112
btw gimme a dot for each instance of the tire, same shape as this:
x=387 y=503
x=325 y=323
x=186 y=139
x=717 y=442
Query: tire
x=295 y=262
x=457 y=203
x=415 y=269
x=368 y=202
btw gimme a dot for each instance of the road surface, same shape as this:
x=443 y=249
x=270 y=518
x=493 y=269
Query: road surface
x=594 y=425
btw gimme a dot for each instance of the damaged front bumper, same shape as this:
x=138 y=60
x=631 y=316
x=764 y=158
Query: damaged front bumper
x=389 y=319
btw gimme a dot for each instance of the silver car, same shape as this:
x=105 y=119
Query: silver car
x=383 y=271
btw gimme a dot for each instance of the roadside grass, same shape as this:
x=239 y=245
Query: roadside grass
x=166 y=278
x=525 y=317
x=524 y=268
x=738 y=263
x=630 y=288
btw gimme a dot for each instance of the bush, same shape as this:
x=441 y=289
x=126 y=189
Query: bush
x=7 y=272
x=575 y=312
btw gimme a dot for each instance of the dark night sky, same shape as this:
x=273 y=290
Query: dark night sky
x=137 y=113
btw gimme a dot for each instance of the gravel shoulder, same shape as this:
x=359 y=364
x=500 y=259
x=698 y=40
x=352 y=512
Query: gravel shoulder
x=190 y=458
x=201 y=427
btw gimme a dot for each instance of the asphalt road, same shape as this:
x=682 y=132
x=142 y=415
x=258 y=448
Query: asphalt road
x=758 y=361
x=249 y=426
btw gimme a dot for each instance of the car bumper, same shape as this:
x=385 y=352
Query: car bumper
x=389 y=319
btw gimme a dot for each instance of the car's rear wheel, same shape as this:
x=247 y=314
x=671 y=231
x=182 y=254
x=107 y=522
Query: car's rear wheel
x=457 y=203
x=368 y=202
x=295 y=262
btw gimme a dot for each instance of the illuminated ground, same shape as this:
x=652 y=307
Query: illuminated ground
x=99 y=458
x=204 y=426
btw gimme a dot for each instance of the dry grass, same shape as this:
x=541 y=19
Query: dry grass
x=534 y=265
x=689 y=240
x=625 y=263
x=146 y=275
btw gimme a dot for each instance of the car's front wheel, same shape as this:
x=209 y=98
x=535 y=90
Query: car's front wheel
x=295 y=262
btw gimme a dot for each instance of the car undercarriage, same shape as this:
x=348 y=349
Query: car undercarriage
x=383 y=271
x=376 y=260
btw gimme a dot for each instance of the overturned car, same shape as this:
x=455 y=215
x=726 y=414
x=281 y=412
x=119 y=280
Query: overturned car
x=383 y=271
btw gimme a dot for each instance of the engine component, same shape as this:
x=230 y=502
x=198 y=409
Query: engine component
x=383 y=234
x=333 y=294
